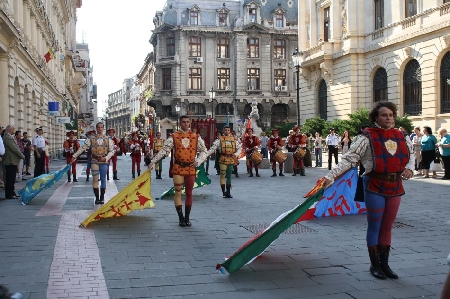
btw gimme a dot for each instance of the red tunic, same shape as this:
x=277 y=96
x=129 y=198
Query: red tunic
x=274 y=142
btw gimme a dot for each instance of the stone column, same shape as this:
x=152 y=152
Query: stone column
x=4 y=88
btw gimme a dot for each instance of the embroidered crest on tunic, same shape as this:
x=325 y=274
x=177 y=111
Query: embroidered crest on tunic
x=391 y=146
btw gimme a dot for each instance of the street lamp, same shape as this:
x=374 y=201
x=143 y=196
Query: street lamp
x=177 y=109
x=296 y=62
x=212 y=96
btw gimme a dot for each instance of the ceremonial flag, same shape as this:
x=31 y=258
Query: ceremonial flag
x=135 y=196
x=42 y=182
x=201 y=180
x=49 y=55
x=259 y=243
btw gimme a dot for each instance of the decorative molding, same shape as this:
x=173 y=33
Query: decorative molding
x=446 y=39
x=327 y=71
x=408 y=51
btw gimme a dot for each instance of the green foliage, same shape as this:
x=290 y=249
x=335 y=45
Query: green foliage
x=404 y=122
x=284 y=129
x=148 y=94
x=314 y=125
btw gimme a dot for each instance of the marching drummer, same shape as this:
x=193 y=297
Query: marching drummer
x=251 y=144
x=229 y=148
x=274 y=145
x=298 y=143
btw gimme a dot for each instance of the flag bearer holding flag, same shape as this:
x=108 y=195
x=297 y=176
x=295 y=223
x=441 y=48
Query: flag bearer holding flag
x=185 y=144
x=229 y=148
x=71 y=145
x=387 y=158
x=101 y=149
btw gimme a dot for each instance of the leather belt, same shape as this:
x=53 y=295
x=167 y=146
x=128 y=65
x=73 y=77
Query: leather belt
x=390 y=177
x=183 y=164
x=97 y=157
x=227 y=155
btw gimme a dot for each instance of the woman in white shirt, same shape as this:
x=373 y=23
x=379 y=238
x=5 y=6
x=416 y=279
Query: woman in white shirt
x=417 y=142
x=318 y=149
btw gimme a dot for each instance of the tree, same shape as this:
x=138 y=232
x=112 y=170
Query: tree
x=314 y=125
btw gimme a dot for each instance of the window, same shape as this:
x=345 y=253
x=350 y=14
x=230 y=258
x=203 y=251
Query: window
x=166 y=78
x=412 y=86
x=279 y=20
x=224 y=109
x=223 y=19
x=170 y=46
x=326 y=24
x=279 y=51
x=280 y=77
x=253 y=79
x=410 y=8
x=252 y=14
x=223 y=48
x=253 y=47
x=445 y=86
x=323 y=100
x=380 y=88
x=193 y=17
x=196 y=109
x=195 y=79
x=195 y=44
x=379 y=13
x=278 y=114
x=223 y=79
x=446 y=1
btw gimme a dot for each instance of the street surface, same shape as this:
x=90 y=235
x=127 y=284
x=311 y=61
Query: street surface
x=147 y=255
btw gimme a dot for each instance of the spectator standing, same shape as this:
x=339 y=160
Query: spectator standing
x=11 y=161
x=318 y=149
x=417 y=142
x=39 y=152
x=48 y=150
x=286 y=142
x=444 y=144
x=346 y=141
x=332 y=141
x=27 y=152
x=19 y=176
x=428 y=145
x=264 y=140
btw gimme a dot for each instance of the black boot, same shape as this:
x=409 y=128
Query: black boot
x=132 y=175
x=87 y=176
x=295 y=172
x=375 y=268
x=251 y=173
x=187 y=212
x=274 y=173
x=224 y=194
x=115 y=175
x=257 y=174
x=97 y=199
x=302 y=171
x=281 y=173
x=107 y=175
x=139 y=172
x=181 y=220
x=68 y=178
x=384 y=259
x=102 y=195
x=159 y=176
x=228 y=194
x=75 y=178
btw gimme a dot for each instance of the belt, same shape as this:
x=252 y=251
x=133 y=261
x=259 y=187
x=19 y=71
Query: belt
x=390 y=177
x=183 y=164
x=97 y=157
x=227 y=155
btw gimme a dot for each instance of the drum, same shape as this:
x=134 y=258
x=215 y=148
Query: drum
x=300 y=153
x=279 y=156
x=256 y=157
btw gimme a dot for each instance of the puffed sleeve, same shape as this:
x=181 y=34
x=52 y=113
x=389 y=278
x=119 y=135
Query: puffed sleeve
x=110 y=149
x=165 y=151
x=85 y=146
x=202 y=150
x=211 y=150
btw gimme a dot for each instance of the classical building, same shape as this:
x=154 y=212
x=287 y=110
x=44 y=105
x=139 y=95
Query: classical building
x=37 y=71
x=241 y=50
x=146 y=79
x=118 y=114
x=357 y=52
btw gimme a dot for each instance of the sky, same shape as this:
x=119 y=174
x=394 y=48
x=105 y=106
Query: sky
x=118 y=36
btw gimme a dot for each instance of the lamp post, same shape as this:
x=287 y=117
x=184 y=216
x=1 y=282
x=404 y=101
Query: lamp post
x=296 y=62
x=177 y=109
x=212 y=96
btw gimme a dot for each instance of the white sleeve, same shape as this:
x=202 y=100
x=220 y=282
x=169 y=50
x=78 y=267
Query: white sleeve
x=2 y=147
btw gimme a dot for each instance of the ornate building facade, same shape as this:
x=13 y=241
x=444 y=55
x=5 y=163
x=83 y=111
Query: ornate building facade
x=241 y=50
x=118 y=112
x=30 y=79
x=356 y=53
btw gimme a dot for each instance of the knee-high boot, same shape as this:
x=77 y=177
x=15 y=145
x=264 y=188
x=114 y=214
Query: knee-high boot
x=256 y=170
x=107 y=175
x=228 y=194
x=384 y=259
x=181 y=220
x=133 y=175
x=102 y=195
x=274 y=172
x=87 y=176
x=139 y=172
x=187 y=212
x=97 y=197
x=375 y=267
x=236 y=171
x=68 y=177
x=159 y=176
x=224 y=194
x=75 y=178
x=115 y=175
x=302 y=171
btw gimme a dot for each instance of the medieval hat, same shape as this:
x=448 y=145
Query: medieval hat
x=111 y=130
x=91 y=132
x=248 y=129
x=275 y=130
x=296 y=128
x=70 y=133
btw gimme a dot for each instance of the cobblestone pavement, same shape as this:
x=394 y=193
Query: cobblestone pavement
x=147 y=255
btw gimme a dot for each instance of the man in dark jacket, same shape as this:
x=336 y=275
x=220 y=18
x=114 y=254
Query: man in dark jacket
x=11 y=161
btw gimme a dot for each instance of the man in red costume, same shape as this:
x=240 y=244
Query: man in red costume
x=71 y=146
x=251 y=144
x=135 y=145
x=275 y=144
x=298 y=140
x=111 y=132
x=89 y=159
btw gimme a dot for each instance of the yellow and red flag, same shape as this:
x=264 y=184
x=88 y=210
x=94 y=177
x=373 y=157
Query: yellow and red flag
x=49 y=55
x=135 y=196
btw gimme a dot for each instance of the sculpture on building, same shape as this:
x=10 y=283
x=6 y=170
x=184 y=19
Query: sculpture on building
x=254 y=117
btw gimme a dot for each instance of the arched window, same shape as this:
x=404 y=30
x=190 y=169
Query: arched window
x=380 y=88
x=323 y=106
x=196 y=109
x=445 y=84
x=279 y=114
x=412 y=85
x=224 y=109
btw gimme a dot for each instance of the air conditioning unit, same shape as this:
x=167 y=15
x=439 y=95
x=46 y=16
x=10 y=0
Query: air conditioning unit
x=278 y=88
x=199 y=59
x=227 y=87
x=284 y=88
x=280 y=56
